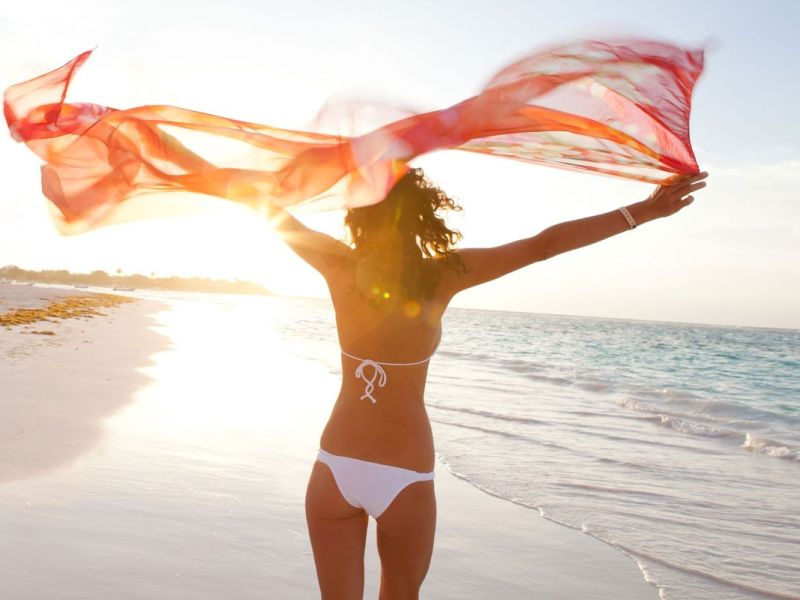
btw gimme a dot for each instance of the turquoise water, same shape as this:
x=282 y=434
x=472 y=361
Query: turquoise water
x=678 y=444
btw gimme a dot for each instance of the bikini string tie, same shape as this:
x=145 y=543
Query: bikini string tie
x=377 y=373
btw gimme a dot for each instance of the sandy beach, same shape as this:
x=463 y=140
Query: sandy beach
x=161 y=449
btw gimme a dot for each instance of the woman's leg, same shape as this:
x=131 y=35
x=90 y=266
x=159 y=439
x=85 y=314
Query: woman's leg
x=338 y=534
x=405 y=541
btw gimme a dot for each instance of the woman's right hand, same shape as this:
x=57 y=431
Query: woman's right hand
x=667 y=199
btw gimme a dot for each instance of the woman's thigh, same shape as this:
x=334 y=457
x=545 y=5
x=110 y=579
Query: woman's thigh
x=405 y=535
x=338 y=533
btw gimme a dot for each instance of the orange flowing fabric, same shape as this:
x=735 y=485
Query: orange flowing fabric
x=617 y=108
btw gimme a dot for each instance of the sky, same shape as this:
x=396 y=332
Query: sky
x=731 y=258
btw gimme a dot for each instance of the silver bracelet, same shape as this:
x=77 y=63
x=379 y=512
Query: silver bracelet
x=628 y=217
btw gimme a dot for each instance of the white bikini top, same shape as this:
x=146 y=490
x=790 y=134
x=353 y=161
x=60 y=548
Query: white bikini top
x=378 y=373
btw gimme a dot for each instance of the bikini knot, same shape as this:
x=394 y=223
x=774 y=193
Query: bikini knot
x=377 y=373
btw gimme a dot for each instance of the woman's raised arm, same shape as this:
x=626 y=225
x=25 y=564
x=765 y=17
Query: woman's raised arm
x=319 y=250
x=485 y=264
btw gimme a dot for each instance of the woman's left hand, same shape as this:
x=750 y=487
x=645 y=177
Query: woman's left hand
x=669 y=198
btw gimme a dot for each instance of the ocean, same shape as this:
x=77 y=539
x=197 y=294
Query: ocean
x=677 y=444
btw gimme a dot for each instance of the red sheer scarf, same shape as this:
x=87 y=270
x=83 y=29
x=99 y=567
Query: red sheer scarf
x=620 y=108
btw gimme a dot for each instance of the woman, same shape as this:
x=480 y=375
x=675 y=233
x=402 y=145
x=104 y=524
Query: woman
x=390 y=292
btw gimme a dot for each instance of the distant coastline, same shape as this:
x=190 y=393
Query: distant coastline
x=133 y=281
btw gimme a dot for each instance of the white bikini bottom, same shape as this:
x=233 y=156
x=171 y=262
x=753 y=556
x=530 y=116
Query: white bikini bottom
x=368 y=485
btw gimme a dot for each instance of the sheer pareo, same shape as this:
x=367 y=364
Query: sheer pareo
x=616 y=107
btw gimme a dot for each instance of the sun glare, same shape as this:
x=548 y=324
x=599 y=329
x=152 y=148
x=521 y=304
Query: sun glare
x=228 y=370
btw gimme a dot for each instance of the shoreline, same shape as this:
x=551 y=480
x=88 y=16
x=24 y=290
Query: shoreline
x=642 y=571
x=162 y=478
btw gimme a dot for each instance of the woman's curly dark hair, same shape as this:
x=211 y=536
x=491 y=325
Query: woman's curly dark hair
x=410 y=210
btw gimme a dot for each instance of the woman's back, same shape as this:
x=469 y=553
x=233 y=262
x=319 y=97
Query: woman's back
x=386 y=341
